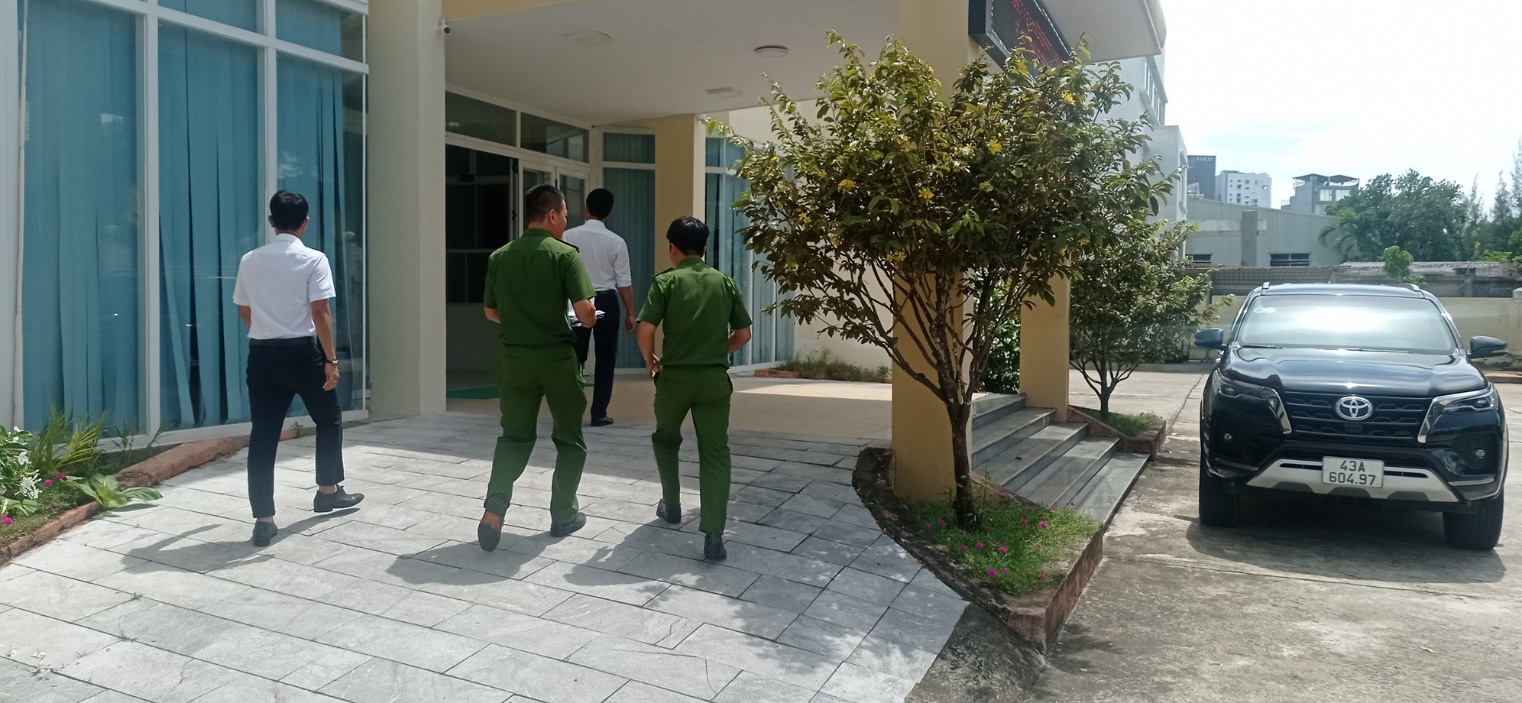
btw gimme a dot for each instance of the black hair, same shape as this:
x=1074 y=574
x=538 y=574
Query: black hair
x=287 y=211
x=689 y=235
x=600 y=203
x=540 y=201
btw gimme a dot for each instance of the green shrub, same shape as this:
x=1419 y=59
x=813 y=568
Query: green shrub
x=823 y=365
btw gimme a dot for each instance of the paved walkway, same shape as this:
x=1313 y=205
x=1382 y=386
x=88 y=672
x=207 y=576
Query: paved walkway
x=395 y=602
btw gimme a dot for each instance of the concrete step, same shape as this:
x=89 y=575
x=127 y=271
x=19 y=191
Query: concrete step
x=1101 y=496
x=1068 y=472
x=1031 y=454
x=1001 y=434
x=994 y=406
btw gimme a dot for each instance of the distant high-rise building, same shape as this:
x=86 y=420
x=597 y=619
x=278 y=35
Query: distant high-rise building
x=1240 y=188
x=1201 y=177
x=1314 y=193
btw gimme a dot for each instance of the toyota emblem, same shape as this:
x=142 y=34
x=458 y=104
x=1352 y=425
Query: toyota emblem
x=1354 y=408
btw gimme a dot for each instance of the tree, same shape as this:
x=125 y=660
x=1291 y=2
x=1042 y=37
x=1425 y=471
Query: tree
x=1134 y=302
x=920 y=223
x=1417 y=213
x=1398 y=265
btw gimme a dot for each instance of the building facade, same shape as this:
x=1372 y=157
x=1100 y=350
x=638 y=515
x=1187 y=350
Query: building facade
x=1150 y=100
x=1202 y=177
x=141 y=139
x=1231 y=235
x=1250 y=189
x=1314 y=193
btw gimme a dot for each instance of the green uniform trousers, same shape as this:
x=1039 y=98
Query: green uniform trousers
x=704 y=391
x=526 y=377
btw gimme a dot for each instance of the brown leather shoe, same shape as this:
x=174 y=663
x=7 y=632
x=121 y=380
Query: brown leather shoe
x=489 y=532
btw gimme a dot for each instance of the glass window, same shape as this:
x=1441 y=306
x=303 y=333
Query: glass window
x=1297 y=259
x=575 y=190
x=1199 y=258
x=322 y=156
x=81 y=292
x=210 y=213
x=553 y=138
x=628 y=148
x=482 y=120
x=1347 y=322
x=320 y=26
x=243 y=14
x=479 y=218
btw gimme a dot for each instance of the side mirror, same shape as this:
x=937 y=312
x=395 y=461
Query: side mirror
x=1482 y=347
x=1213 y=338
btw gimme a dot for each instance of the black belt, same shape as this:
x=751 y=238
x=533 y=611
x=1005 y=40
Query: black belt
x=283 y=342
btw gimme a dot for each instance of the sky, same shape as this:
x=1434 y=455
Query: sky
x=1354 y=87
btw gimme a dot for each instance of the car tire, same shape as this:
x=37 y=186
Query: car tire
x=1480 y=530
x=1217 y=507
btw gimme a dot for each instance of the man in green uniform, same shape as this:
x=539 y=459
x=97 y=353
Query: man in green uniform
x=528 y=283
x=705 y=320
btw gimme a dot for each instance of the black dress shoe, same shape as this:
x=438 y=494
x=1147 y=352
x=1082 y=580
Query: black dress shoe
x=337 y=500
x=670 y=512
x=561 y=529
x=489 y=531
x=263 y=533
x=602 y=421
x=713 y=548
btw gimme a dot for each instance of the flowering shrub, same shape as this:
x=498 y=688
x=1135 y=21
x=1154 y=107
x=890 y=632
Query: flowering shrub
x=20 y=484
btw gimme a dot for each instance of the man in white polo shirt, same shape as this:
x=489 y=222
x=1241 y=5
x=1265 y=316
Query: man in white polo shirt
x=606 y=258
x=282 y=295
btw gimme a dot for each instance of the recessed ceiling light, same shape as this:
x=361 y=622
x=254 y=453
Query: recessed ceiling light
x=589 y=38
x=771 y=51
x=724 y=93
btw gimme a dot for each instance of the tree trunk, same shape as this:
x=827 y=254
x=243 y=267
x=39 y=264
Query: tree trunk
x=961 y=462
x=1104 y=400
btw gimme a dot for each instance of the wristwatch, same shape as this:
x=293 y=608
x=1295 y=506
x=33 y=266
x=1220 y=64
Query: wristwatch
x=333 y=361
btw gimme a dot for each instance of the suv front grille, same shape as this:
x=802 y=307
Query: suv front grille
x=1394 y=419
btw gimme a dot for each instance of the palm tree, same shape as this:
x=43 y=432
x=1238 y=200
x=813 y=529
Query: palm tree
x=1356 y=234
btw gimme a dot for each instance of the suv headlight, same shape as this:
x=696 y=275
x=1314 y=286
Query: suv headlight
x=1228 y=388
x=1457 y=404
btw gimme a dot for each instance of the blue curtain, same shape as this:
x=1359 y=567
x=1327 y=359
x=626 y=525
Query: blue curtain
x=210 y=213
x=633 y=219
x=772 y=334
x=321 y=156
x=82 y=274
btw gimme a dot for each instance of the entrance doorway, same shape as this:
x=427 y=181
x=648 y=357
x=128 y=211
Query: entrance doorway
x=483 y=194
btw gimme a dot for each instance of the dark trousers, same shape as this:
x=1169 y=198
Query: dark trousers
x=606 y=332
x=279 y=370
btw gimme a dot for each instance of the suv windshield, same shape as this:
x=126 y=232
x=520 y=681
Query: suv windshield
x=1346 y=322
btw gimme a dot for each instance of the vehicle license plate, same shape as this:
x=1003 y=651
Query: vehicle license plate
x=1359 y=473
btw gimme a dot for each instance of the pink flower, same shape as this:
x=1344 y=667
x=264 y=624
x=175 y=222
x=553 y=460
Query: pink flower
x=1038 y=545
x=1051 y=510
x=1003 y=571
x=1041 y=577
x=1023 y=522
x=1003 y=496
x=943 y=523
x=979 y=545
x=6 y=520
x=1071 y=503
x=62 y=476
x=992 y=573
x=47 y=482
x=1043 y=524
x=964 y=547
x=1003 y=550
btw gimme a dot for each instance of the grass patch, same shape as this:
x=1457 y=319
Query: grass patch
x=1128 y=425
x=1018 y=545
x=824 y=366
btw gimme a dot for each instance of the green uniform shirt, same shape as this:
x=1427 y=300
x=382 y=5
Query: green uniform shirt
x=700 y=305
x=528 y=283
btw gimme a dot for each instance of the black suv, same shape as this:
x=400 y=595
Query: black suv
x=1353 y=392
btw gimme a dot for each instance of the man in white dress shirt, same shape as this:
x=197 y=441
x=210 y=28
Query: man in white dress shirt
x=606 y=258
x=282 y=295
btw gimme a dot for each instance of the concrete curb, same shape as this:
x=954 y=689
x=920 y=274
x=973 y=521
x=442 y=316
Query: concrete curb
x=1035 y=617
x=1149 y=445
x=154 y=470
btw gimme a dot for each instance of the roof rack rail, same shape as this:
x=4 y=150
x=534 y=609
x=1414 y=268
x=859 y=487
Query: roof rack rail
x=1414 y=287
x=1266 y=284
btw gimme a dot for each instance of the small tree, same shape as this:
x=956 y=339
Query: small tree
x=919 y=222
x=1398 y=265
x=1134 y=302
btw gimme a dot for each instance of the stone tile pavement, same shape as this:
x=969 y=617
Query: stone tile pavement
x=395 y=602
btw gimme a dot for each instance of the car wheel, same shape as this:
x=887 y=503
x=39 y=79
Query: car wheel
x=1217 y=507
x=1481 y=530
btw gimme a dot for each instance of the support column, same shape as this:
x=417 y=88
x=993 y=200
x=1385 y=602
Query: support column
x=10 y=221
x=1044 y=342
x=406 y=199
x=935 y=31
x=680 y=158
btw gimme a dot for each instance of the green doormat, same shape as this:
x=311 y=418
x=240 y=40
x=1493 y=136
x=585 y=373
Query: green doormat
x=482 y=393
